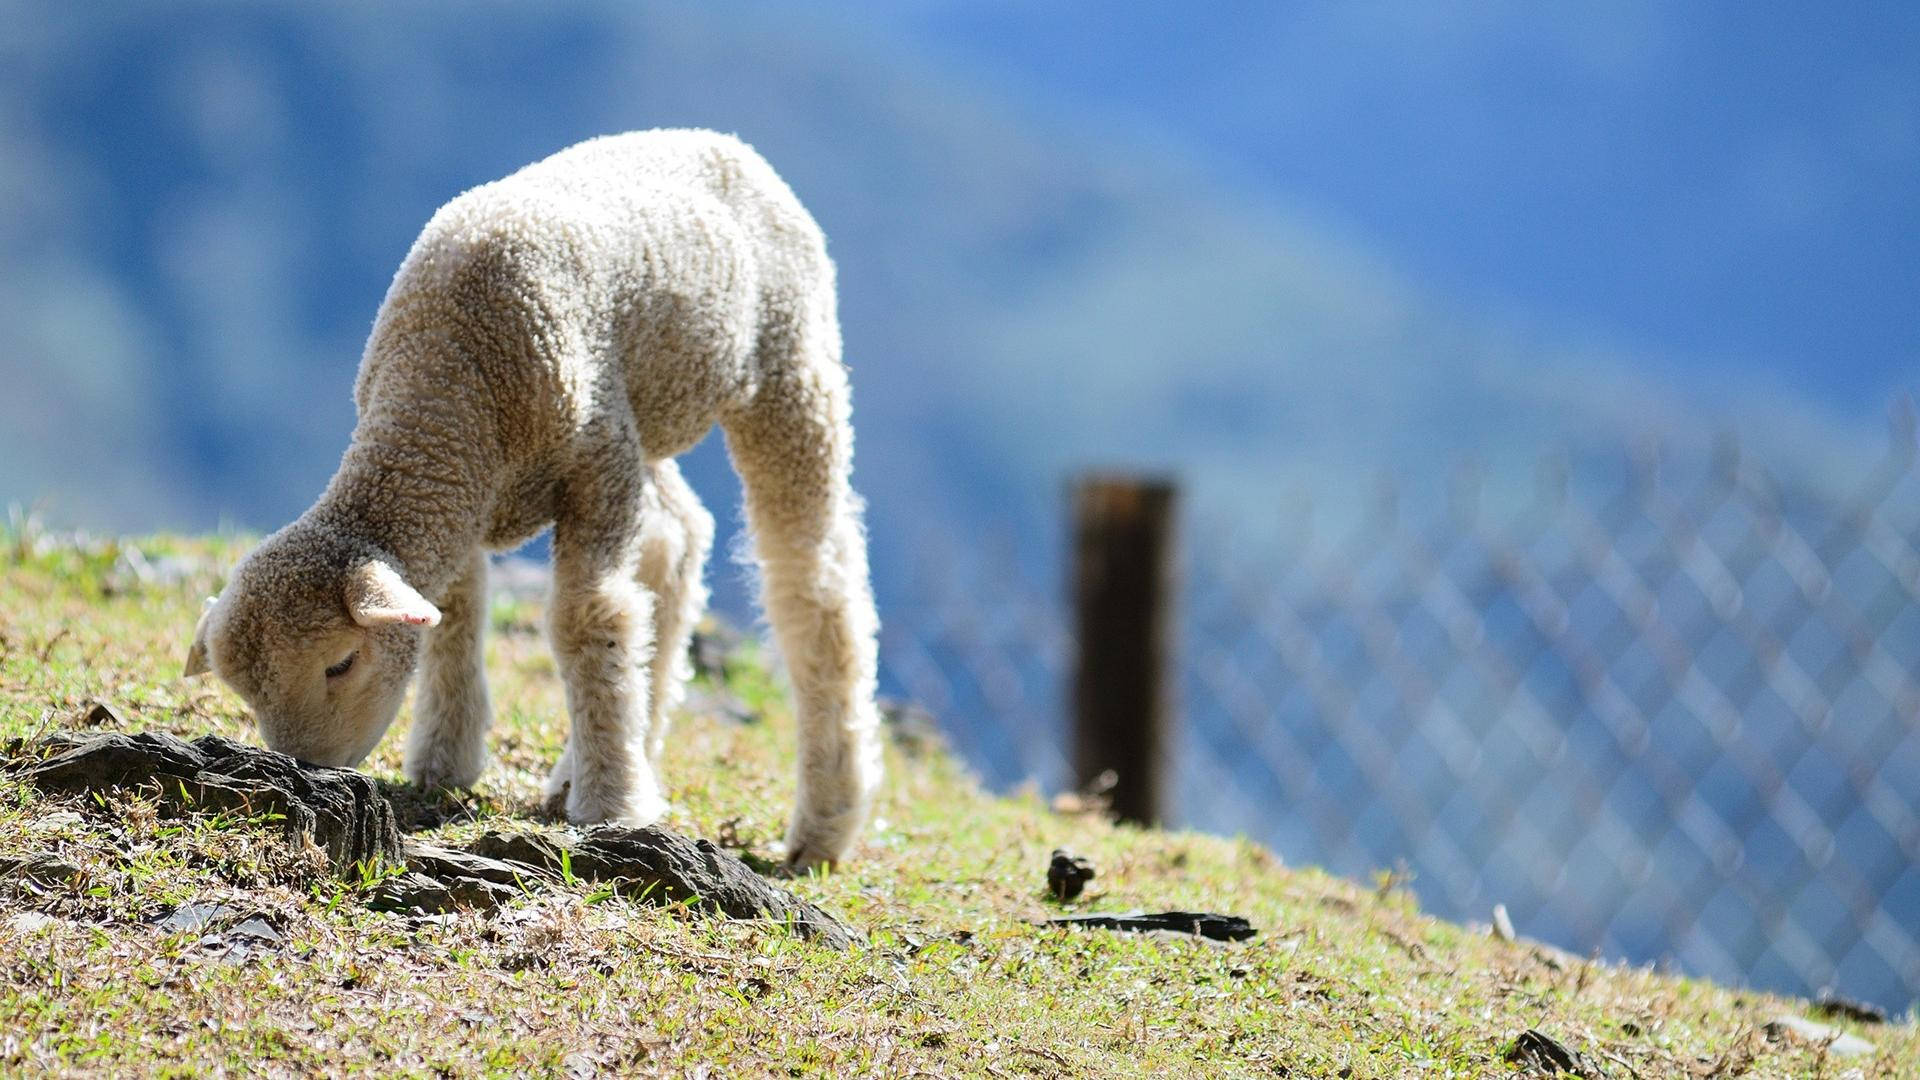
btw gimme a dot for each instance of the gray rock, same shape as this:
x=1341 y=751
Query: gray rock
x=1844 y=1044
x=442 y=880
x=257 y=930
x=44 y=869
x=54 y=822
x=195 y=917
x=664 y=867
x=1542 y=1054
x=446 y=863
x=1503 y=923
x=339 y=810
x=345 y=813
x=432 y=895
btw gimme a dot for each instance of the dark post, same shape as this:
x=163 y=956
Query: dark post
x=1123 y=600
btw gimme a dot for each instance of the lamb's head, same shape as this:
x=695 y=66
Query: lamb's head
x=320 y=636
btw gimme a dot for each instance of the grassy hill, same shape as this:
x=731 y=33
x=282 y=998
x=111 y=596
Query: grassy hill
x=1343 y=979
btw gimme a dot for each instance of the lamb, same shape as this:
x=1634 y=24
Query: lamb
x=551 y=342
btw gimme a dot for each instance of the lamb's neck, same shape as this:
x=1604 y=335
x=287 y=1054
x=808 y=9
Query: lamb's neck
x=417 y=487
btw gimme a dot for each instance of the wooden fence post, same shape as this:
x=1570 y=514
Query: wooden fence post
x=1123 y=578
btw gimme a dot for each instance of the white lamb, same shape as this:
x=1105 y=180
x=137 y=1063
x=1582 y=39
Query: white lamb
x=552 y=340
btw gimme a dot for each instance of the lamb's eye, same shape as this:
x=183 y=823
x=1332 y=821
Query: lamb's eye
x=343 y=666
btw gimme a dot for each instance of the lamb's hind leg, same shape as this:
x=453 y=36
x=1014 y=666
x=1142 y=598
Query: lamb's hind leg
x=447 y=746
x=676 y=532
x=793 y=448
x=601 y=623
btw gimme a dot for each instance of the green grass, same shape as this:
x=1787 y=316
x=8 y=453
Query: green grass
x=1343 y=979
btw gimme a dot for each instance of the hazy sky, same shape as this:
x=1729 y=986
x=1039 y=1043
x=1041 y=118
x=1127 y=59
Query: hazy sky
x=1708 y=183
x=1269 y=246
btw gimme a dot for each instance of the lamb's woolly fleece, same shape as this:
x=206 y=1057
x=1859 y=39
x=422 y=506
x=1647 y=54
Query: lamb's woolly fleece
x=550 y=343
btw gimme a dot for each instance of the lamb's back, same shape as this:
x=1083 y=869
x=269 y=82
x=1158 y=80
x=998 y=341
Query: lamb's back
x=647 y=262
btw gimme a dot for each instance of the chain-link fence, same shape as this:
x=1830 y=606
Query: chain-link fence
x=1673 y=716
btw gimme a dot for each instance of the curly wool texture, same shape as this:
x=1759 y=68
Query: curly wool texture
x=552 y=340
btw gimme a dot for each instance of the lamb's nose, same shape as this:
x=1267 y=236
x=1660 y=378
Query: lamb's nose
x=298 y=749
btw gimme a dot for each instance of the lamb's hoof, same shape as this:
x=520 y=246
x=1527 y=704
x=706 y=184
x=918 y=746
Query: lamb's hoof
x=802 y=863
x=555 y=803
x=632 y=811
x=436 y=778
x=815 y=853
x=553 y=793
x=817 y=839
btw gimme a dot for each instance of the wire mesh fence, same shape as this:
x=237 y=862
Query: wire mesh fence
x=1674 y=717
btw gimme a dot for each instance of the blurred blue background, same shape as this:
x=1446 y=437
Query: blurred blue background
x=1276 y=249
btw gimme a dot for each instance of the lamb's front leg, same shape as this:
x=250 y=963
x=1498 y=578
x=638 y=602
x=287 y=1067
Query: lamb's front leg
x=448 y=744
x=601 y=624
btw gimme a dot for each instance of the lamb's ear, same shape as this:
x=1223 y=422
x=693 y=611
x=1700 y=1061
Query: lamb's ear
x=378 y=596
x=197 y=652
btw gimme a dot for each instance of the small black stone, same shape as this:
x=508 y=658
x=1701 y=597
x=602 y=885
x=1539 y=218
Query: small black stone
x=1068 y=874
x=1830 y=1004
x=1537 y=1051
x=1207 y=924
